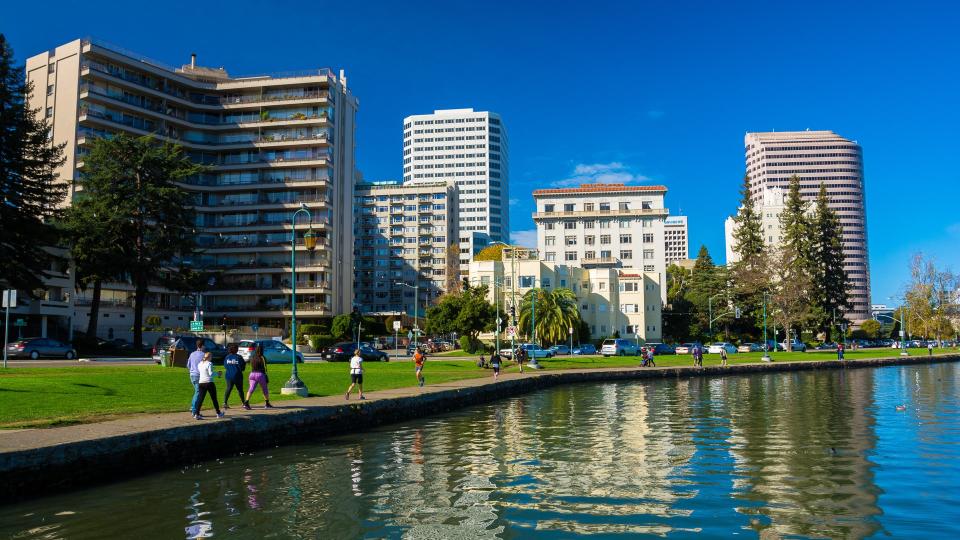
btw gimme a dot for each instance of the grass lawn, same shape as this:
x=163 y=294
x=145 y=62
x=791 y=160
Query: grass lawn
x=43 y=397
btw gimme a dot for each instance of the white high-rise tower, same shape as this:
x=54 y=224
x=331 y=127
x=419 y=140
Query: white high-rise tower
x=469 y=148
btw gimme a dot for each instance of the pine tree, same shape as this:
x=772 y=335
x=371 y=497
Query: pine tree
x=29 y=185
x=828 y=277
x=706 y=280
x=794 y=275
x=796 y=226
x=134 y=178
x=748 y=237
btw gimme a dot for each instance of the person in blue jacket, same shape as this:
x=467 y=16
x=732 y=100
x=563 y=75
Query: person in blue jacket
x=234 y=364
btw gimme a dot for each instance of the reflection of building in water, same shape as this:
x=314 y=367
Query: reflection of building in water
x=801 y=443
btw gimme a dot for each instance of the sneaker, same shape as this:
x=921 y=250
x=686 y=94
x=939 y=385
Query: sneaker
x=361 y=396
x=422 y=381
x=220 y=414
x=246 y=406
x=198 y=417
x=225 y=406
x=268 y=406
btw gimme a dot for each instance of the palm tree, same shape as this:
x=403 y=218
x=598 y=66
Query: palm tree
x=557 y=311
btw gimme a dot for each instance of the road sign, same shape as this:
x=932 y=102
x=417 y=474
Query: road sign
x=9 y=298
x=196 y=326
x=396 y=325
x=255 y=327
x=20 y=322
x=511 y=331
x=571 y=330
x=499 y=320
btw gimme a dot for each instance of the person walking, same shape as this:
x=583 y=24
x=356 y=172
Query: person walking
x=193 y=363
x=723 y=356
x=418 y=363
x=698 y=355
x=233 y=376
x=356 y=373
x=495 y=364
x=205 y=368
x=840 y=349
x=258 y=377
x=650 y=355
x=929 y=348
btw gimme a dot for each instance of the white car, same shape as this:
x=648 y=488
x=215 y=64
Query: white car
x=715 y=348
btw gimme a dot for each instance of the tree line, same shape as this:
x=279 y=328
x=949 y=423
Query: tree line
x=798 y=283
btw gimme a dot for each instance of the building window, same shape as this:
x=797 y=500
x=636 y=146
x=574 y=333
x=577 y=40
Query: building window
x=604 y=239
x=549 y=226
x=605 y=254
x=49 y=112
x=624 y=206
x=550 y=256
x=548 y=208
x=626 y=254
x=604 y=207
x=602 y=286
x=588 y=207
x=589 y=224
x=648 y=268
x=550 y=240
x=568 y=225
x=569 y=207
x=49 y=89
x=648 y=254
x=648 y=238
x=526 y=281
x=605 y=224
x=570 y=256
x=589 y=254
x=626 y=238
x=570 y=240
x=589 y=240
x=545 y=283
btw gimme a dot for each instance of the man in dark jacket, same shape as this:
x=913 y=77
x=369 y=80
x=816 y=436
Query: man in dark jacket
x=234 y=364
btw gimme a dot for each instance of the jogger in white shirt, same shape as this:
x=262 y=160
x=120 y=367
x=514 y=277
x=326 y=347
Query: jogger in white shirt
x=356 y=373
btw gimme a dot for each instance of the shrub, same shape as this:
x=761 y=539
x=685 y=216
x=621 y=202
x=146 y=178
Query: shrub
x=320 y=341
x=466 y=344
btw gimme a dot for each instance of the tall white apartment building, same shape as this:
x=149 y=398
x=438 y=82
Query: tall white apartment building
x=603 y=226
x=820 y=157
x=675 y=237
x=404 y=239
x=271 y=143
x=471 y=149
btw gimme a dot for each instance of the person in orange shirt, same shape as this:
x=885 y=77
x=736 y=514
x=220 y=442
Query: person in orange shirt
x=418 y=362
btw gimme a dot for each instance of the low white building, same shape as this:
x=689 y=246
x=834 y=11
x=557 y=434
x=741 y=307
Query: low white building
x=770 y=207
x=609 y=299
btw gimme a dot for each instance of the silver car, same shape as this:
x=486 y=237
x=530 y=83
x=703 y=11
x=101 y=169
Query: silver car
x=619 y=347
x=39 y=347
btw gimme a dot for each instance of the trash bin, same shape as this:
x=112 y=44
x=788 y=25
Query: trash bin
x=165 y=358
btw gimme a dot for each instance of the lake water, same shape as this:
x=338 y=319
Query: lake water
x=807 y=454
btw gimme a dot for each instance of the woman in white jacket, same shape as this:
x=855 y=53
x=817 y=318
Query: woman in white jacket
x=207 y=386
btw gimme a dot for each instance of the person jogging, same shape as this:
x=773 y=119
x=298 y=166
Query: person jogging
x=356 y=373
x=233 y=377
x=205 y=368
x=418 y=363
x=495 y=364
x=258 y=377
x=193 y=362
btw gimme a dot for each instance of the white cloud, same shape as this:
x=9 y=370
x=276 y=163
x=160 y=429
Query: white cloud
x=526 y=238
x=602 y=173
x=655 y=114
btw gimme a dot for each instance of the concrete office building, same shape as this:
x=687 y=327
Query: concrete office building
x=404 y=234
x=603 y=226
x=271 y=144
x=769 y=207
x=470 y=148
x=610 y=299
x=820 y=157
x=675 y=236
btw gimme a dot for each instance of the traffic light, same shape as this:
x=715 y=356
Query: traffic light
x=737 y=313
x=223 y=322
x=513 y=312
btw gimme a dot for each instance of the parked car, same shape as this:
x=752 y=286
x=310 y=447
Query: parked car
x=586 y=348
x=341 y=352
x=795 y=345
x=37 y=347
x=686 y=348
x=659 y=349
x=827 y=346
x=535 y=351
x=276 y=352
x=750 y=347
x=721 y=346
x=189 y=344
x=560 y=349
x=619 y=347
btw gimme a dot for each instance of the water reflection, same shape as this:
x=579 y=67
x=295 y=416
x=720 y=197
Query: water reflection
x=787 y=455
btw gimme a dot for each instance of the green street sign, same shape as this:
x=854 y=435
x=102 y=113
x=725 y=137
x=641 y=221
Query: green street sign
x=196 y=326
x=20 y=322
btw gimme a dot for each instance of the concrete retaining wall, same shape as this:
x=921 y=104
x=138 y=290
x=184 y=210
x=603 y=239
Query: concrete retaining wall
x=79 y=464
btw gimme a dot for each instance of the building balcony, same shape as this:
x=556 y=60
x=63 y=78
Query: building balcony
x=600 y=262
x=264 y=180
x=264 y=203
x=603 y=213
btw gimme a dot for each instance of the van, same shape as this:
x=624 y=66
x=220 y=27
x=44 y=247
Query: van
x=619 y=347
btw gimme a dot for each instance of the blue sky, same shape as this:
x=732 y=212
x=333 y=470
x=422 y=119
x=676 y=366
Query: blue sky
x=645 y=92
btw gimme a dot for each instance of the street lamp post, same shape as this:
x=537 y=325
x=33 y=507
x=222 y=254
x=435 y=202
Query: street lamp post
x=903 y=341
x=766 y=344
x=294 y=385
x=533 y=323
